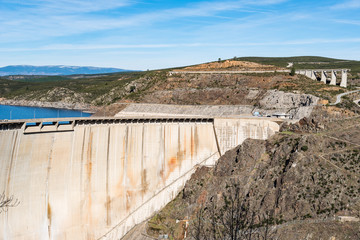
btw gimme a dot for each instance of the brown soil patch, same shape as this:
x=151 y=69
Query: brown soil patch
x=230 y=65
x=323 y=102
x=331 y=89
x=332 y=110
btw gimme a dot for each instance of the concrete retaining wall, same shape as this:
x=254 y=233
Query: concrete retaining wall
x=100 y=180
x=232 y=132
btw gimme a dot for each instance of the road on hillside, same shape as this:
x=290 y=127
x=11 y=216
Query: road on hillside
x=357 y=102
x=339 y=96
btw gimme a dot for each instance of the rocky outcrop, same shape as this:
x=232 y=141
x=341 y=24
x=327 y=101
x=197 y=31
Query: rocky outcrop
x=59 y=97
x=293 y=186
x=62 y=105
x=297 y=105
x=64 y=95
x=279 y=99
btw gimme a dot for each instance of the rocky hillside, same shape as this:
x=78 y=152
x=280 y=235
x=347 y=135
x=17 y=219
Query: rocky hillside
x=107 y=95
x=231 y=65
x=163 y=88
x=303 y=183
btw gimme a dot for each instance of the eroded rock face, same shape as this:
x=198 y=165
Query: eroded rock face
x=280 y=99
x=297 y=105
x=299 y=179
x=62 y=105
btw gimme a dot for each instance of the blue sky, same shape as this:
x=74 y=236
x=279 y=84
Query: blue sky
x=137 y=34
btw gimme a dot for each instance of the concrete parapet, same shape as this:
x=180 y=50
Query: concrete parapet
x=68 y=124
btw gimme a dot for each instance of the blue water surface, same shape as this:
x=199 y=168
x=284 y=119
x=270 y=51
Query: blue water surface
x=19 y=112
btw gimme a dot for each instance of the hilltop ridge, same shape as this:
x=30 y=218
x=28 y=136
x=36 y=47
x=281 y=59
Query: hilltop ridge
x=231 y=65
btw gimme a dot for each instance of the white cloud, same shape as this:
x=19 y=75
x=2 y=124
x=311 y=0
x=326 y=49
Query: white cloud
x=209 y=8
x=351 y=4
x=350 y=22
x=67 y=6
x=70 y=47
x=48 y=18
x=57 y=47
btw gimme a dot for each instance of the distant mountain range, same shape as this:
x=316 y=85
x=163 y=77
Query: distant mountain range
x=55 y=70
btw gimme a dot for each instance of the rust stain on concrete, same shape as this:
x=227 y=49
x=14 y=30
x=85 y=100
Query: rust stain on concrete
x=185 y=143
x=180 y=154
x=162 y=175
x=144 y=183
x=119 y=186
x=108 y=210
x=89 y=153
x=197 y=140
x=108 y=201
x=172 y=163
x=89 y=173
x=81 y=171
x=11 y=162
x=49 y=219
x=192 y=143
x=129 y=196
x=131 y=178
x=123 y=150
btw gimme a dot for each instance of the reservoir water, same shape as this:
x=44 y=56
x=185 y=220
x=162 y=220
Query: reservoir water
x=20 y=112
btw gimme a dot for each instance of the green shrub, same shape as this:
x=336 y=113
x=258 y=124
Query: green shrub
x=292 y=73
x=304 y=148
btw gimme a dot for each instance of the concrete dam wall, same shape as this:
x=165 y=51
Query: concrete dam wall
x=97 y=181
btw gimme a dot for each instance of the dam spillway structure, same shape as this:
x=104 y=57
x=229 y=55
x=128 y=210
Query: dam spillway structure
x=97 y=178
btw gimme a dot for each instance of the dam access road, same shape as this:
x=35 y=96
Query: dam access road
x=96 y=178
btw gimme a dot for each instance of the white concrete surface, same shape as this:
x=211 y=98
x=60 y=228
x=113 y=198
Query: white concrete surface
x=100 y=180
x=343 y=82
x=311 y=74
x=184 y=110
x=333 y=78
x=323 y=77
x=232 y=132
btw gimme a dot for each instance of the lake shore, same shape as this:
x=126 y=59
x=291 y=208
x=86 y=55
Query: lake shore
x=57 y=105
